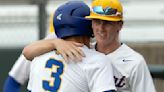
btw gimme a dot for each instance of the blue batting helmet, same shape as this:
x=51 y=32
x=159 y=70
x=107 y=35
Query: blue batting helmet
x=69 y=20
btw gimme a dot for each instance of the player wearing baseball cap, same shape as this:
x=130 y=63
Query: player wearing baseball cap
x=131 y=73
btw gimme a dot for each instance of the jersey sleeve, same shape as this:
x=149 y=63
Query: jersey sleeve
x=141 y=80
x=100 y=76
x=29 y=86
x=21 y=69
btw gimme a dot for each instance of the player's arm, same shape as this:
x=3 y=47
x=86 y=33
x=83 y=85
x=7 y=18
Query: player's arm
x=68 y=49
x=37 y=48
x=141 y=80
x=18 y=75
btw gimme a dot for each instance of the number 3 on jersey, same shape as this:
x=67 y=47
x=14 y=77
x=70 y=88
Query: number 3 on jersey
x=57 y=69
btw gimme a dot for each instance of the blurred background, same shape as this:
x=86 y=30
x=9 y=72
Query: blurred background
x=25 y=21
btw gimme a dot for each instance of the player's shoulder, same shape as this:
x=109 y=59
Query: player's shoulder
x=130 y=55
x=48 y=55
x=94 y=56
x=91 y=52
x=50 y=36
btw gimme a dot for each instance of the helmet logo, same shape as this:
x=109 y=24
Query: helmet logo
x=59 y=17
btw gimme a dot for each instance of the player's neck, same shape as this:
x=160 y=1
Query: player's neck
x=108 y=48
x=80 y=39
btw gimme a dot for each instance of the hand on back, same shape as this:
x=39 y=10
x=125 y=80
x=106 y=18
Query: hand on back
x=69 y=50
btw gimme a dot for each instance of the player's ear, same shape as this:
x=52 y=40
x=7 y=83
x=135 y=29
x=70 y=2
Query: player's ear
x=120 y=24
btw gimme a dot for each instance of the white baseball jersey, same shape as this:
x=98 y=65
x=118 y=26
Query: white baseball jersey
x=49 y=72
x=21 y=69
x=131 y=73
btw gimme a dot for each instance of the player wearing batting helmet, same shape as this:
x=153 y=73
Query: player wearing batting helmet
x=50 y=72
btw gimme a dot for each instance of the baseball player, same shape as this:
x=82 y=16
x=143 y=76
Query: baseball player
x=49 y=72
x=17 y=77
x=131 y=73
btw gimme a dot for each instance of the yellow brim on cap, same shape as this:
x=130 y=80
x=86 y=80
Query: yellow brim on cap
x=107 y=18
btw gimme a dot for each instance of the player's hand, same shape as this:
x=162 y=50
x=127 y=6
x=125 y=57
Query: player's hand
x=69 y=50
